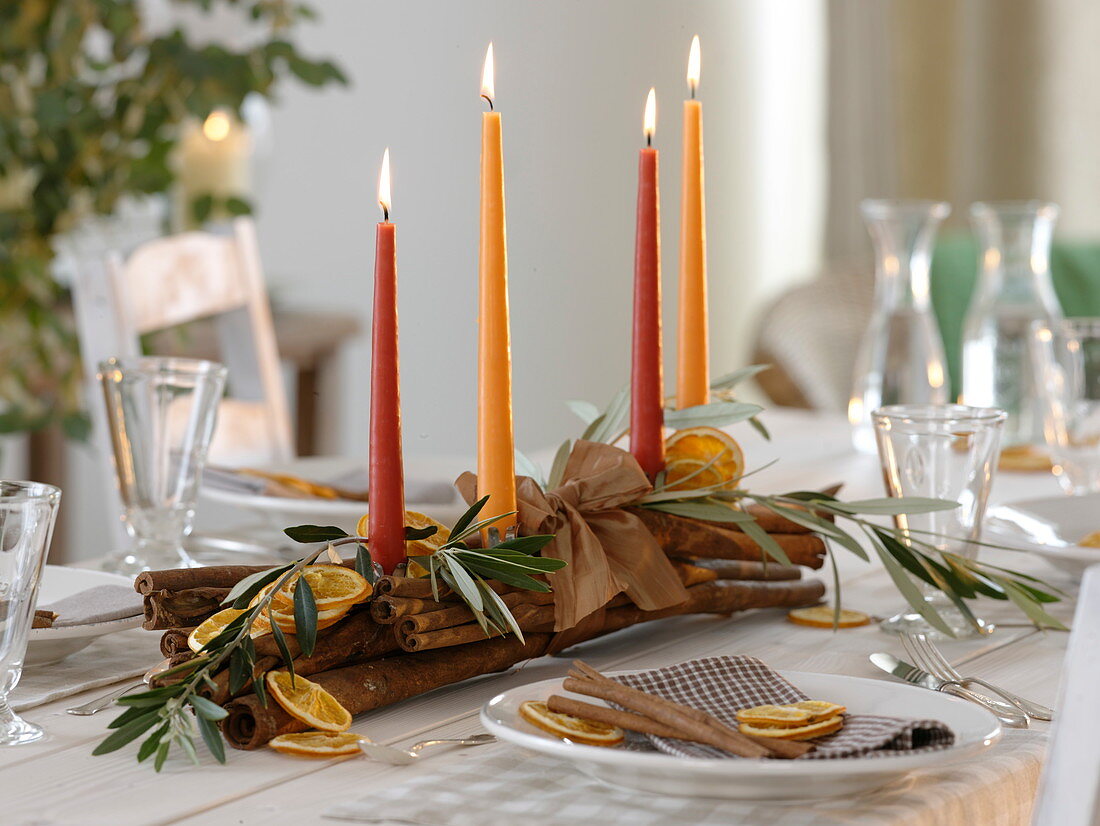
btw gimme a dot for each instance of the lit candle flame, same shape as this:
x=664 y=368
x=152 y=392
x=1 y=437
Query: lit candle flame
x=384 y=185
x=693 y=65
x=649 y=122
x=216 y=126
x=488 y=90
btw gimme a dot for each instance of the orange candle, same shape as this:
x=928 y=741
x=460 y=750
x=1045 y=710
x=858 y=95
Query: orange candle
x=693 y=373
x=495 y=443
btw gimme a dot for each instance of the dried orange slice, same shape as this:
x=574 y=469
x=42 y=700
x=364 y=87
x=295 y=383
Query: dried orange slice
x=417 y=547
x=819 y=709
x=821 y=616
x=285 y=619
x=212 y=626
x=308 y=702
x=701 y=457
x=775 y=716
x=333 y=586
x=808 y=732
x=568 y=727
x=317 y=743
x=1091 y=540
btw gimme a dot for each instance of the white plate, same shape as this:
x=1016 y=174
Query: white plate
x=47 y=646
x=280 y=512
x=975 y=729
x=1049 y=527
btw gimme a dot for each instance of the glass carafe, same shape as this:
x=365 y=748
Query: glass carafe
x=900 y=359
x=1013 y=290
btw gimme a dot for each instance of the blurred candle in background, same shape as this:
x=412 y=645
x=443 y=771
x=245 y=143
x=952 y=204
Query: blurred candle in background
x=387 y=476
x=693 y=369
x=495 y=443
x=214 y=159
x=646 y=385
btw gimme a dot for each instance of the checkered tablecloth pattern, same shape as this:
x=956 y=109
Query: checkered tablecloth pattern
x=721 y=686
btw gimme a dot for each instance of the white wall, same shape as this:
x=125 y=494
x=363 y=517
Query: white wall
x=571 y=82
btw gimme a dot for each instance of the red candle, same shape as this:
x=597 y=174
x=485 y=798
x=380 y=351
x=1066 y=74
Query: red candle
x=646 y=385
x=387 y=475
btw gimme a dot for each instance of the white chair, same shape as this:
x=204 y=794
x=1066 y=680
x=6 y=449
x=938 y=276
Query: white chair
x=1069 y=791
x=169 y=282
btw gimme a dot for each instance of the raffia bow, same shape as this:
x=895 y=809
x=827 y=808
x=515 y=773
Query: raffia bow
x=608 y=549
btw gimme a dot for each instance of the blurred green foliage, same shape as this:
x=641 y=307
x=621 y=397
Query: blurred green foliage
x=90 y=105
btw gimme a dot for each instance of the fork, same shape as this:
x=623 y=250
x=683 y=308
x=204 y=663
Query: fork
x=925 y=652
x=107 y=700
x=402 y=757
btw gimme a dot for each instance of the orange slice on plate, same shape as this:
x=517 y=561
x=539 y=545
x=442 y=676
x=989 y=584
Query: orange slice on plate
x=821 y=616
x=568 y=727
x=808 y=732
x=819 y=709
x=308 y=702
x=1091 y=540
x=775 y=716
x=702 y=457
x=317 y=744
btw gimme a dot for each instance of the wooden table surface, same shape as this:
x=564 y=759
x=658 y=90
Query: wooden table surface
x=57 y=781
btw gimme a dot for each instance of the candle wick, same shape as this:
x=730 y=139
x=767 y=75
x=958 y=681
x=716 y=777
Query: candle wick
x=490 y=102
x=648 y=139
x=693 y=91
x=385 y=214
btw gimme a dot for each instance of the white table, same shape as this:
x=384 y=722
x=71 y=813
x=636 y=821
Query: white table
x=58 y=781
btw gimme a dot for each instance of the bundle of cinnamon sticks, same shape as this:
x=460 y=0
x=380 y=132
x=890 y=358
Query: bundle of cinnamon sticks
x=409 y=640
x=649 y=714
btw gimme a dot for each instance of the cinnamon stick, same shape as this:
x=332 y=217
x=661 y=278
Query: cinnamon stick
x=460 y=614
x=421 y=588
x=43 y=618
x=174 y=609
x=747 y=569
x=174 y=641
x=528 y=617
x=628 y=720
x=387 y=610
x=213 y=576
x=372 y=685
x=663 y=712
x=682 y=536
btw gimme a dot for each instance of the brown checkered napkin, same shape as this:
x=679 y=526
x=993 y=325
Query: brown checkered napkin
x=723 y=685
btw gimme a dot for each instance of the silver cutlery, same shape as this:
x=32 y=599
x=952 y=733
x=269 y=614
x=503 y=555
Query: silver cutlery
x=107 y=700
x=1014 y=717
x=403 y=757
x=925 y=653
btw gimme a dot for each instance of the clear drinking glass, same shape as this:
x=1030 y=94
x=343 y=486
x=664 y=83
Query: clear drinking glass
x=1014 y=289
x=27 y=514
x=161 y=414
x=946 y=451
x=1066 y=360
x=900 y=358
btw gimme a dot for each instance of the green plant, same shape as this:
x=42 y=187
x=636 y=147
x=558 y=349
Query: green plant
x=90 y=104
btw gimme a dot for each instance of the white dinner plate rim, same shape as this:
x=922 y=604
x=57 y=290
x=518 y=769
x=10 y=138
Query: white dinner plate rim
x=1020 y=541
x=873 y=765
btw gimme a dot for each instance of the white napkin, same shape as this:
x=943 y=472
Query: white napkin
x=110 y=659
x=102 y=603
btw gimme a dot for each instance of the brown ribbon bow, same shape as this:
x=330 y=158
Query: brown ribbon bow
x=608 y=549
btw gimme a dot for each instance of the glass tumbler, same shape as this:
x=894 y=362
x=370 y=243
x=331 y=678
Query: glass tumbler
x=160 y=414
x=1066 y=359
x=27 y=514
x=948 y=452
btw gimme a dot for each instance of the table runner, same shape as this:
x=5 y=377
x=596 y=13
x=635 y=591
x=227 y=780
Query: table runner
x=503 y=785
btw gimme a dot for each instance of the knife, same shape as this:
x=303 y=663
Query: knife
x=911 y=674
